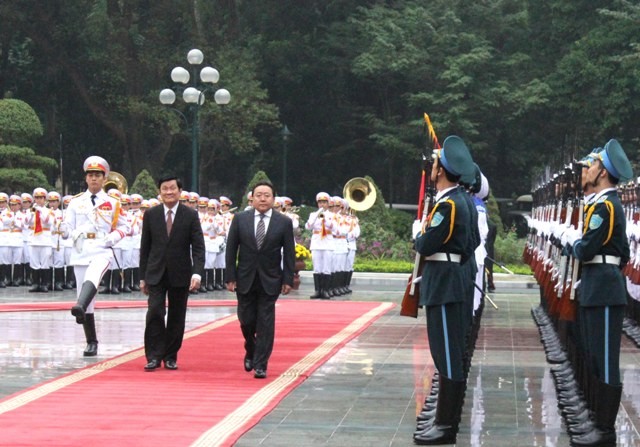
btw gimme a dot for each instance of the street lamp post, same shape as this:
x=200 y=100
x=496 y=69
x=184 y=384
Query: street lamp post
x=285 y=138
x=194 y=94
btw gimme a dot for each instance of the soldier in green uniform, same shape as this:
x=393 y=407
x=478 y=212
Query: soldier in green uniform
x=445 y=243
x=603 y=249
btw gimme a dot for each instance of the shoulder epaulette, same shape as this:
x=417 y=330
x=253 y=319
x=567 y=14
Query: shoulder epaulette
x=77 y=195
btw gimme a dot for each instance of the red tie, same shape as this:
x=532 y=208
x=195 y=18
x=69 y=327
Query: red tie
x=169 y=222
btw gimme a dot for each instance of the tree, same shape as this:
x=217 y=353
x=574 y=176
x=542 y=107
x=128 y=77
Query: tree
x=259 y=176
x=21 y=169
x=144 y=185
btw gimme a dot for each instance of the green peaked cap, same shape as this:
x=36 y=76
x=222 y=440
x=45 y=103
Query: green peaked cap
x=616 y=162
x=456 y=158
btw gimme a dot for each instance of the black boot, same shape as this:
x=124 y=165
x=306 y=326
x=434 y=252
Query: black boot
x=219 y=279
x=203 y=284
x=69 y=276
x=135 y=275
x=89 y=326
x=28 y=275
x=105 y=285
x=45 y=280
x=349 y=275
x=4 y=278
x=445 y=427
x=316 y=284
x=17 y=274
x=35 y=277
x=58 y=274
x=209 y=278
x=325 y=281
x=116 y=280
x=126 y=286
x=604 y=432
x=87 y=293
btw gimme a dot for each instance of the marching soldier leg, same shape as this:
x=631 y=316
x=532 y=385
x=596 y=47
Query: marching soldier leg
x=86 y=295
x=219 y=279
x=604 y=432
x=28 y=275
x=324 y=287
x=18 y=275
x=210 y=280
x=89 y=327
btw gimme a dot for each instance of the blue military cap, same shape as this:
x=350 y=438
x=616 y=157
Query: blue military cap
x=615 y=161
x=472 y=181
x=456 y=158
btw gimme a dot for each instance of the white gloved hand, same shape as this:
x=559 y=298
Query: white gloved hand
x=558 y=230
x=530 y=222
x=111 y=239
x=416 y=229
x=572 y=235
x=76 y=234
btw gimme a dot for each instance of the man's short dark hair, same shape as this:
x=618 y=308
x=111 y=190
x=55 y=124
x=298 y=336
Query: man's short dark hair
x=264 y=183
x=169 y=178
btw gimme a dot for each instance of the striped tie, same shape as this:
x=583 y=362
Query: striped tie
x=260 y=232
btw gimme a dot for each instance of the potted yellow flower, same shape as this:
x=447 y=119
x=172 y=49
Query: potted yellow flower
x=302 y=254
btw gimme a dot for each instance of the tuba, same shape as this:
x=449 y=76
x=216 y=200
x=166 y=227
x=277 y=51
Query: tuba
x=117 y=181
x=360 y=193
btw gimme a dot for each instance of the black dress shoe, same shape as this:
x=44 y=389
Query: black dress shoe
x=260 y=374
x=248 y=364
x=153 y=364
x=170 y=364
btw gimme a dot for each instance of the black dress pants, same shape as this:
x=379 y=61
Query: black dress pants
x=163 y=342
x=257 y=316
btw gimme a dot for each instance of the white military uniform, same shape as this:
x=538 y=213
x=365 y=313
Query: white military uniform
x=95 y=227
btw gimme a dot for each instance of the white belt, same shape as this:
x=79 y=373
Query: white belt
x=445 y=257
x=604 y=259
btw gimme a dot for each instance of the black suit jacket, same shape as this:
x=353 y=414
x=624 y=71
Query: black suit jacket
x=181 y=254
x=251 y=261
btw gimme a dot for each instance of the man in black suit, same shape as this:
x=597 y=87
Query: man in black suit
x=171 y=264
x=262 y=242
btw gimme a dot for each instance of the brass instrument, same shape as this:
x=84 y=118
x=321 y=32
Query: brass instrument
x=360 y=193
x=117 y=181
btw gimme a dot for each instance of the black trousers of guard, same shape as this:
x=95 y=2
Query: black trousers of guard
x=163 y=342
x=446 y=331
x=257 y=316
x=602 y=329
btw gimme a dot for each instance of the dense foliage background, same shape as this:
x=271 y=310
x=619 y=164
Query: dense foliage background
x=524 y=82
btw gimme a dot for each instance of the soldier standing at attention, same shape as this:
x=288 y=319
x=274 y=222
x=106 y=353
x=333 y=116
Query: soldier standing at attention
x=321 y=224
x=444 y=241
x=603 y=249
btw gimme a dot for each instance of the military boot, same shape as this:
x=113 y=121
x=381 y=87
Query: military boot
x=87 y=293
x=89 y=327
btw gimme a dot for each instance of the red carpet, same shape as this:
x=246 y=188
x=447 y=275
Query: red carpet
x=209 y=401
x=133 y=304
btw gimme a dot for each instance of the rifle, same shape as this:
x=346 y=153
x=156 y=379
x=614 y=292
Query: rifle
x=411 y=298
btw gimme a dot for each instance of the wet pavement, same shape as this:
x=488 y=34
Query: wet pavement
x=369 y=393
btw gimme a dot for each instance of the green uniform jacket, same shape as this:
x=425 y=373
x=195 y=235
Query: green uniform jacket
x=604 y=234
x=447 y=231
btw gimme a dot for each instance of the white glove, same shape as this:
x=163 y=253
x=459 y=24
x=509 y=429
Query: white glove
x=64 y=230
x=111 y=239
x=572 y=236
x=416 y=229
x=76 y=234
x=529 y=219
x=558 y=229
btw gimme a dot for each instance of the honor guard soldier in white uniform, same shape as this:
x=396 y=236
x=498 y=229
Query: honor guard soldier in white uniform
x=249 y=201
x=57 y=248
x=27 y=203
x=40 y=221
x=340 y=248
x=321 y=223
x=224 y=222
x=5 y=221
x=70 y=277
x=136 y=232
x=126 y=246
x=212 y=241
x=112 y=278
x=352 y=239
x=16 y=246
x=95 y=223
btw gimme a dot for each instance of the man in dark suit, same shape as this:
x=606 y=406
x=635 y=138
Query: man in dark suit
x=171 y=264
x=263 y=244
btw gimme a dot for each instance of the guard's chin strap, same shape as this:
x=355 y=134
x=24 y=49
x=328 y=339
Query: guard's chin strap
x=594 y=183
